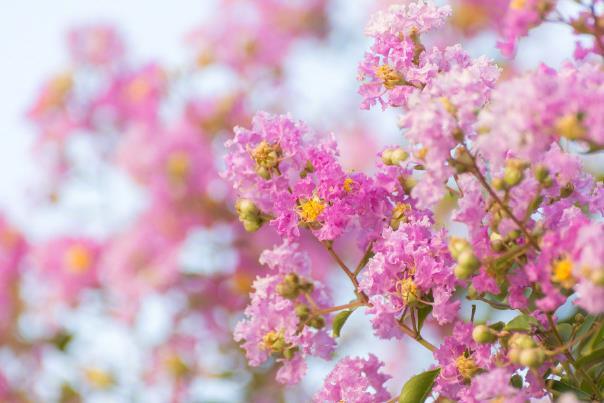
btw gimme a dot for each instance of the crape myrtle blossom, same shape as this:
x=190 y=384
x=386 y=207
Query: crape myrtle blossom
x=98 y=45
x=70 y=263
x=355 y=380
x=522 y=16
x=289 y=175
x=284 y=319
x=538 y=111
x=411 y=268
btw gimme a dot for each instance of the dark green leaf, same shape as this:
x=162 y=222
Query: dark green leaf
x=418 y=388
x=422 y=314
x=521 y=322
x=563 y=387
x=596 y=357
x=339 y=320
x=564 y=330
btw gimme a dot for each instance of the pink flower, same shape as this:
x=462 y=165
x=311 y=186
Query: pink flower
x=355 y=380
x=70 y=264
x=411 y=267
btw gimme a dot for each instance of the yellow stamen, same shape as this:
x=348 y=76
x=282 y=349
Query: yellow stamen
x=176 y=366
x=390 y=77
x=78 y=259
x=138 y=89
x=267 y=155
x=570 y=127
x=466 y=366
x=178 y=165
x=98 y=378
x=517 y=4
x=448 y=105
x=407 y=290
x=563 y=272
x=348 y=182
x=311 y=209
x=421 y=153
x=274 y=341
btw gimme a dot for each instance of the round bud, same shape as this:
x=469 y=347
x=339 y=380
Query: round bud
x=472 y=292
x=387 y=157
x=398 y=155
x=263 y=172
x=462 y=272
x=482 y=334
x=498 y=184
x=302 y=312
x=246 y=208
x=514 y=234
x=512 y=175
x=514 y=355
x=497 y=242
x=457 y=245
x=252 y=225
x=567 y=190
x=317 y=322
x=541 y=173
x=548 y=182
x=522 y=341
x=579 y=318
x=468 y=259
x=532 y=357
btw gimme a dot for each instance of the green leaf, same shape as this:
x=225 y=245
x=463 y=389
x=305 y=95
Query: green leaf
x=596 y=357
x=422 y=314
x=564 y=330
x=521 y=323
x=563 y=387
x=417 y=389
x=339 y=320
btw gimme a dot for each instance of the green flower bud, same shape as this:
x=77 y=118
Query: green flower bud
x=532 y=357
x=468 y=259
x=482 y=334
x=252 y=225
x=498 y=184
x=289 y=353
x=458 y=245
x=541 y=173
x=462 y=272
x=514 y=355
x=522 y=341
x=567 y=190
x=317 y=322
x=399 y=155
x=387 y=157
x=302 y=312
x=497 y=242
x=472 y=293
x=263 y=172
x=512 y=175
x=246 y=209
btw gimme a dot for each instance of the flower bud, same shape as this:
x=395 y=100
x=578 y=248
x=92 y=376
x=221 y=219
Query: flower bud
x=387 y=157
x=458 y=245
x=512 y=174
x=252 y=225
x=468 y=259
x=289 y=288
x=541 y=173
x=567 y=190
x=462 y=272
x=514 y=355
x=263 y=172
x=302 y=312
x=497 y=242
x=522 y=341
x=289 y=353
x=498 y=184
x=532 y=357
x=472 y=292
x=398 y=155
x=246 y=208
x=482 y=334
x=317 y=322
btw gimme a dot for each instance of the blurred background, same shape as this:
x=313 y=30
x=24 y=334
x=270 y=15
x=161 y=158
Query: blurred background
x=112 y=119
